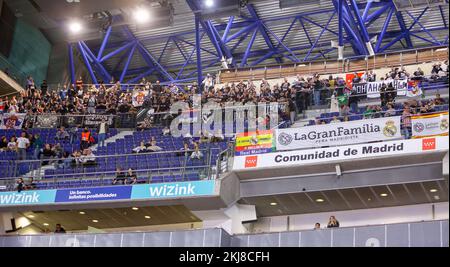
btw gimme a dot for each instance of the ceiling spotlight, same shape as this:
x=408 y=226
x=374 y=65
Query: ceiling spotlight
x=95 y=221
x=147 y=217
x=383 y=194
x=75 y=26
x=320 y=200
x=141 y=15
x=30 y=216
x=273 y=204
x=82 y=212
x=209 y=3
x=45 y=224
x=433 y=190
x=134 y=208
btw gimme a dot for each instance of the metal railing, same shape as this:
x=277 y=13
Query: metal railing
x=49 y=120
x=329 y=66
x=327 y=92
x=146 y=166
x=163 y=119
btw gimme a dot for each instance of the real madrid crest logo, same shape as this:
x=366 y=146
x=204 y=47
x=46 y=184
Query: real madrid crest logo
x=285 y=139
x=390 y=129
x=419 y=127
x=254 y=140
x=71 y=120
x=444 y=124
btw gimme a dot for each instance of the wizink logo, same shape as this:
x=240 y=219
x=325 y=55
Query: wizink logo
x=21 y=198
x=172 y=190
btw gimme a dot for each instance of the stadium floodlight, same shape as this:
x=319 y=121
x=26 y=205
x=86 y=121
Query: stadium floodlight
x=141 y=15
x=75 y=26
x=209 y=3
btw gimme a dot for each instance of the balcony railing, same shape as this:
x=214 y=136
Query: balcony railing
x=156 y=167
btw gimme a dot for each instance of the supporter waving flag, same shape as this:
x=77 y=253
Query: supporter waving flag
x=414 y=88
x=139 y=97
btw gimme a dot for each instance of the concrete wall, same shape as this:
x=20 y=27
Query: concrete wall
x=30 y=51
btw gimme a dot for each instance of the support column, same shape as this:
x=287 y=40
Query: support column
x=445 y=167
x=341 y=31
x=231 y=219
x=87 y=63
x=71 y=65
x=199 y=56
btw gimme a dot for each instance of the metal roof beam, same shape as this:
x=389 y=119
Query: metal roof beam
x=252 y=11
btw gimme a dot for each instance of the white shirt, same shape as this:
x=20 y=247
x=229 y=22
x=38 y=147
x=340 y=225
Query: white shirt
x=12 y=145
x=22 y=142
x=102 y=128
x=86 y=158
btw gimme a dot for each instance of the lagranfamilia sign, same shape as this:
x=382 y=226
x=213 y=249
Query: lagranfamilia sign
x=360 y=131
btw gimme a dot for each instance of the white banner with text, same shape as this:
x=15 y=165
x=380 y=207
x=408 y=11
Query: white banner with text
x=344 y=133
x=429 y=125
x=342 y=153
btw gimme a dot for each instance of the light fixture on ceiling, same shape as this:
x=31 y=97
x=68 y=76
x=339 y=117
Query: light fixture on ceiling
x=95 y=221
x=31 y=216
x=209 y=3
x=82 y=212
x=45 y=224
x=135 y=208
x=320 y=200
x=141 y=15
x=273 y=204
x=75 y=26
x=383 y=195
x=147 y=217
x=433 y=190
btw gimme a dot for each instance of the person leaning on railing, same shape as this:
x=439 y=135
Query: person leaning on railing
x=120 y=177
x=196 y=154
x=332 y=222
x=131 y=177
x=20 y=185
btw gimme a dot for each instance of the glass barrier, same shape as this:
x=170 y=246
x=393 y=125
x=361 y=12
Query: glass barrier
x=91 y=170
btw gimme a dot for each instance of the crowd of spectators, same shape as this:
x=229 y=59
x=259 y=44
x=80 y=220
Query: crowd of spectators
x=407 y=109
x=298 y=96
x=304 y=92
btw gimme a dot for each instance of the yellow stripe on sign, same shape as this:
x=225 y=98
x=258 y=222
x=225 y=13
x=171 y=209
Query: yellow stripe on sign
x=429 y=116
x=426 y=136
